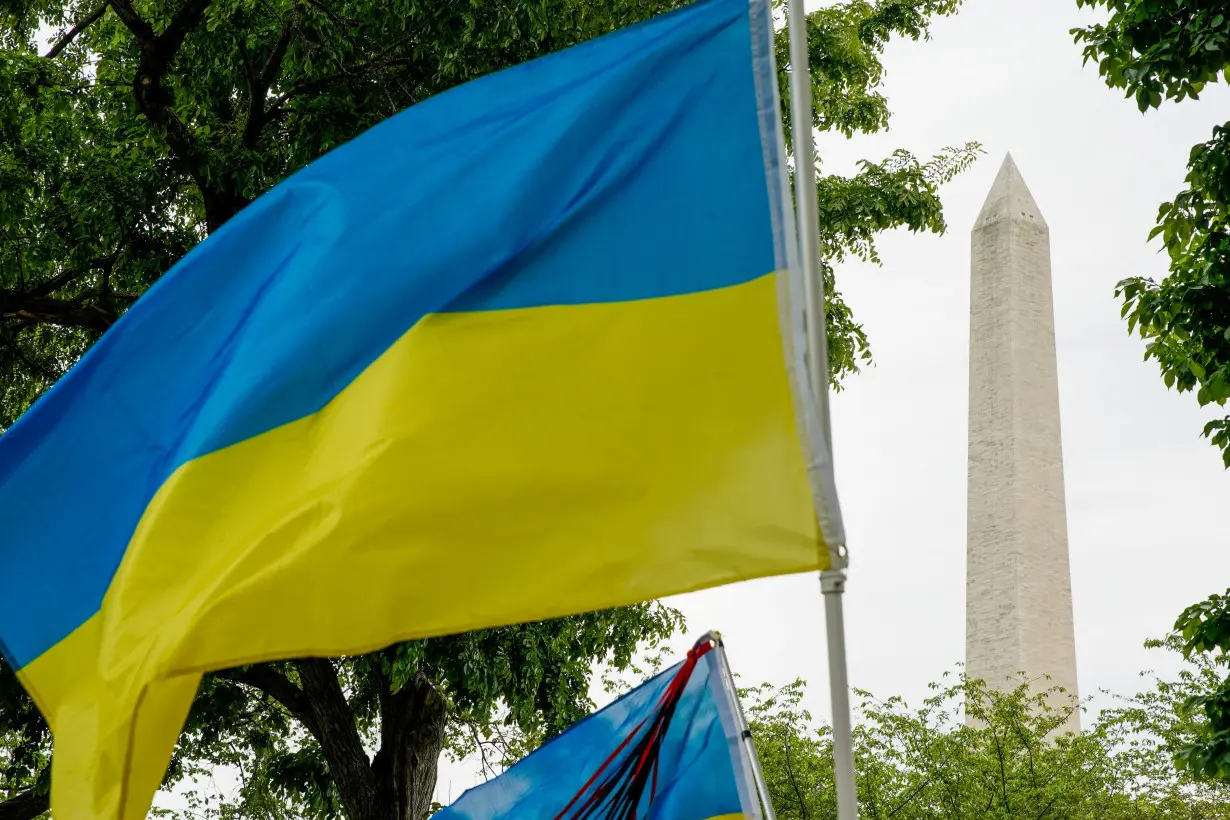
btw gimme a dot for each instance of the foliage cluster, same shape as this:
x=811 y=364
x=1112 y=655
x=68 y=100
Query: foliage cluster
x=143 y=126
x=1201 y=632
x=1012 y=763
x=1156 y=50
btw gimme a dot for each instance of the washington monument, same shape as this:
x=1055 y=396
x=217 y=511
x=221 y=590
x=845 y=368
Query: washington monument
x=1018 y=595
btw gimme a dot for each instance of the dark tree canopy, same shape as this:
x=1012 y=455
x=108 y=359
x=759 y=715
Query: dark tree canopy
x=142 y=126
x=130 y=129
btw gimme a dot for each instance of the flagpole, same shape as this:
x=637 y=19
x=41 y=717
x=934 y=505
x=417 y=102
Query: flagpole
x=832 y=580
x=832 y=585
x=745 y=732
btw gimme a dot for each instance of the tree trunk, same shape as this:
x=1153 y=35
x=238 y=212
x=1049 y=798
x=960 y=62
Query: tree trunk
x=24 y=806
x=412 y=738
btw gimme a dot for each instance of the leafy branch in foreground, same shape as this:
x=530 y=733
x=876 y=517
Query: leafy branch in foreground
x=1156 y=50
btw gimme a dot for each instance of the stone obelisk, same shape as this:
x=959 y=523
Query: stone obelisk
x=1018 y=585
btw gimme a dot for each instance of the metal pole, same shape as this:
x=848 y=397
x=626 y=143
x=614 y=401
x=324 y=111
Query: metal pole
x=745 y=733
x=833 y=580
x=805 y=207
x=833 y=584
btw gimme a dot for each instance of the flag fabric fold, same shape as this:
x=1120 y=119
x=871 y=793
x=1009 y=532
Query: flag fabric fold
x=529 y=348
x=670 y=749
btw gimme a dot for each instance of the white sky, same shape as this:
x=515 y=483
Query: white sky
x=1146 y=496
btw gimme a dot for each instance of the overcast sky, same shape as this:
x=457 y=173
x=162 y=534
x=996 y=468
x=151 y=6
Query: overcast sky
x=1147 y=497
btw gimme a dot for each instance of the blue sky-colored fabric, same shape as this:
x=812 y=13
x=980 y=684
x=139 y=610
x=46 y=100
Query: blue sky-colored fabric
x=628 y=168
x=696 y=777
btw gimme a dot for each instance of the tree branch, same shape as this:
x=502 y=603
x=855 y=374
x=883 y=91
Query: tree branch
x=268 y=680
x=337 y=20
x=906 y=801
x=338 y=738
x=377 y=63
x=64 y=277
x=1003 y=773
x=54 y=283
x=34 y=366
x=320 y=705
x=61 y=312
x=25 y=806
x=166 y=45
x=177 y=30
x=134 y=22
x=157 y=103
x=1023 y=736
x=794 y=783
x=274 y=64
x=261 y=82
x=70 y=35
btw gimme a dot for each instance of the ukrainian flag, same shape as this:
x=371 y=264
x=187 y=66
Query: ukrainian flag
x=671 y=749
x=527 y=349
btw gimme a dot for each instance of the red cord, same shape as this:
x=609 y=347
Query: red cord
x=624 y=782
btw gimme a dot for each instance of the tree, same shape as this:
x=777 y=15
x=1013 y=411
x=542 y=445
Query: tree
x=1202 y=634
x=1171 y=49
x=25 y=746
x=142 y=125
x=1152 y=729
x=927 y=763
x=1159 y=50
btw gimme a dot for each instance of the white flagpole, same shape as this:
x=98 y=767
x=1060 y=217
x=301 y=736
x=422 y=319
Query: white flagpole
x=833 y=580
x=745 y=733
x=832 y=584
